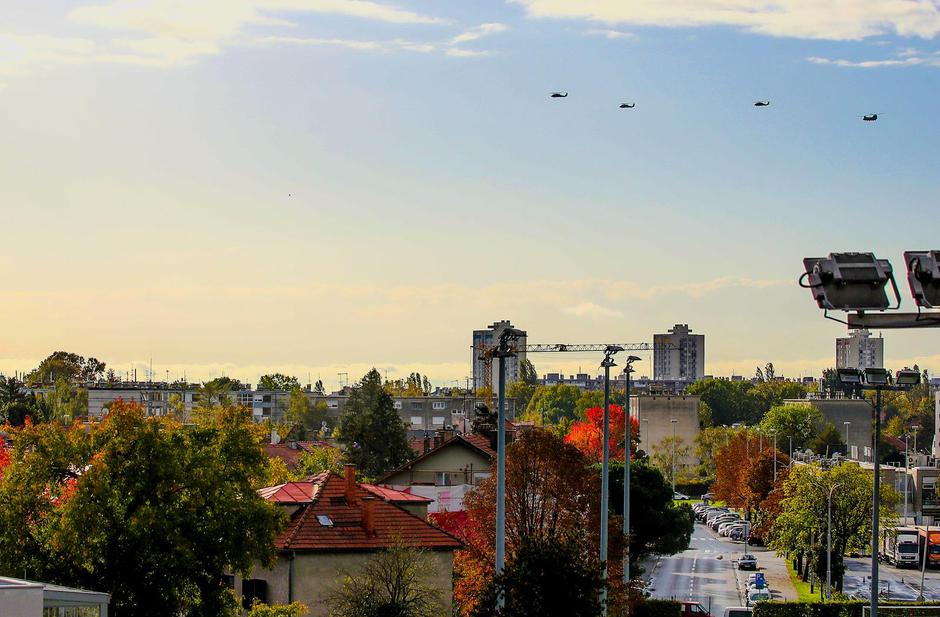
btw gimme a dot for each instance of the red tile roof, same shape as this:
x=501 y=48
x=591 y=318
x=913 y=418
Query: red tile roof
x=393 y=496
x=344 y=529
x=475 y=442
x=291 y=452
x=293 y=492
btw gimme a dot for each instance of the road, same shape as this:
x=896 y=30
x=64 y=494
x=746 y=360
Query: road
x=699 y=574
x=898 y=583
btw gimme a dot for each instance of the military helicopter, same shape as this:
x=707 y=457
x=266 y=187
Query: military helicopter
x=762 y=104
x=627 y=105
x=870 y=117
x=558 y=95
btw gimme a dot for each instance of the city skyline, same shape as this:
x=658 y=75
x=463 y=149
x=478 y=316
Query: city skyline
x=318 y=187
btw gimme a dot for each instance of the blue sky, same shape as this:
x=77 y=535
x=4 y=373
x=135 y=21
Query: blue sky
x=323 y=185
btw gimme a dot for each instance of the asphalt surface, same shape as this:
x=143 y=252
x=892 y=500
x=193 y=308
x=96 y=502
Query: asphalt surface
x=895 y=583
x=698 y=573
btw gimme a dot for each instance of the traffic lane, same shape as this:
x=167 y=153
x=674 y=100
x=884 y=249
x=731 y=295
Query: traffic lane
x=698 y=574
x=898 y=583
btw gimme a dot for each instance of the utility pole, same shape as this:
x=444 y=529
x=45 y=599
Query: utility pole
x=628 y=417
x=605 y=470
x=829 y=543
x=674 y=421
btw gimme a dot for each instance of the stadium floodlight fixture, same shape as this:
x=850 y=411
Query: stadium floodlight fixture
x=907 y=377
x=877 y=377
x=923 y=276
x=849 y=281
x=850 y=376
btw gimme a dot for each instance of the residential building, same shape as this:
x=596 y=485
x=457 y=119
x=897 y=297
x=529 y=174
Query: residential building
x=336 y=525
x=852 y=417
x=22 y=598
x=446 y=471
x=679 y=355
x=860 y=350
x=660 y=415
x=486 y=370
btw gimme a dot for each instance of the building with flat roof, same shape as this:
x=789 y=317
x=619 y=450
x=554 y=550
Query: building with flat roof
x=679 y=355
x=486 y=370
x=860 y=350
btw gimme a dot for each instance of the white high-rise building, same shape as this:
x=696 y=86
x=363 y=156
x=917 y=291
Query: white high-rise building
x=487 y=339
x=860 y=351
x=679 y=355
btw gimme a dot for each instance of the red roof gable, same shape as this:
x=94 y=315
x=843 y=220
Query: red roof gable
x=393 y=496
x=329 y=522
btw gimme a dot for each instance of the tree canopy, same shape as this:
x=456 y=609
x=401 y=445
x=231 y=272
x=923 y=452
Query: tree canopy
x=66 y=365
x=132 y=496
x=375 y=436
x=551 y=404
x=802 y=423
x=732 y=402
x=588 y=434
x=278 y=381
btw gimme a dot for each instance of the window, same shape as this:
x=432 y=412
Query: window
x=228 y=580
x=332 y=404
x=438 y=405
x=397 y=405
x=418 y=421
x=254 y=588
x=438 y=420
x=443 y=478
x=326 y=521
x=417 y=405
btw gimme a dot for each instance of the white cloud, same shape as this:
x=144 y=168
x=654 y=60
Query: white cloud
x=590 y=309
x=610 y=34
x=479 y=32
x=456 y=52
x=905 y=57
x=811 y=19
x=20 y=54
x=347 y=43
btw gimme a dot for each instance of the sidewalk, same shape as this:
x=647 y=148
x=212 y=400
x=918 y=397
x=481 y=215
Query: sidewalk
x=774 y=568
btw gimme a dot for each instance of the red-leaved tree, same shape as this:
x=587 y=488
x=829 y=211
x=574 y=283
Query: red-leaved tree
x=588 y=435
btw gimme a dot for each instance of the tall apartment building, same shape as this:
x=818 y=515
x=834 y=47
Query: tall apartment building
x=860 y=351
x=487 y=373
x=679 y=355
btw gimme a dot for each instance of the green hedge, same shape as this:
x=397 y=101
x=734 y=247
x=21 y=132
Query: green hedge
x=658 y=608
x=833 y=609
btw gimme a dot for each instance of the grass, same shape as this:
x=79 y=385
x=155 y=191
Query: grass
x=692 y=502
x=802 y=589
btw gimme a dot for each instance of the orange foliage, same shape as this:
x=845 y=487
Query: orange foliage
x=4 y=458
x=744 y=470
x=588 y=435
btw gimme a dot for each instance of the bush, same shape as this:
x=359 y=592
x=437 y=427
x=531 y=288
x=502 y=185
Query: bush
x=809 y=609
x=693 y=489
x=658 y=608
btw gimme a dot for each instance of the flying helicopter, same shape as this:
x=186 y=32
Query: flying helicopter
x=627 y=105
x=870 y=117
x=559 y=95
x=762 y=104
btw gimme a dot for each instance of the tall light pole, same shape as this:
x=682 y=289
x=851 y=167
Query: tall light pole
x=504 y=350
x=915 y=428
x=628 y=435
x=774 y=433
x=674 y=421
x=605 y=472
x=848 y=448
x=829 y=542
x=907 y=462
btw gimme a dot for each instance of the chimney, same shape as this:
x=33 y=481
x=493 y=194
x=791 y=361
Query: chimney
x=350 y=470
x=447 y=434
x=368 y=515
x=427 y=443
x=437 y=440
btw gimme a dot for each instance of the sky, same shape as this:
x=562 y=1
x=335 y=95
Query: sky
x=321 y=186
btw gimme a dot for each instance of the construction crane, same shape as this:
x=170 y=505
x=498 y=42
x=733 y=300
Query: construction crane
x=487 y=352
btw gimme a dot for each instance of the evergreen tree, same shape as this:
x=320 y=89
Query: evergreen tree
x=374 y=434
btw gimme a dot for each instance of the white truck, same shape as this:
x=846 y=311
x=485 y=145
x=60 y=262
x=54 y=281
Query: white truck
x=899 y=546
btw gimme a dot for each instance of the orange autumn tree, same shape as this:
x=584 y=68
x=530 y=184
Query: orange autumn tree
x=588 y=435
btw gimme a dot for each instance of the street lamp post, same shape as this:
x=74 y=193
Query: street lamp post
x=915 y=428
x=605 y=471
x=848 y=448
x=907 y=462
x=774 y=433
x=628 y=436
x=674 y=421
x=829 y=542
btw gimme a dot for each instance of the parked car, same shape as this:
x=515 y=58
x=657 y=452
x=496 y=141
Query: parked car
x=680 y=496
x=718 y=520
x=747 y=562
x=693 y=609
x=758 y=595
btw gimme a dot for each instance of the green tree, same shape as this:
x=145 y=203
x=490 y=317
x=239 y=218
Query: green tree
x=394 y=583
x=662 y=458
x=375 y=436
x=294 y=609
x=71 y=367
x=278 y=381
x=319 y=460
x=108 y=508
x=708 y=443
x=804 y=504
x=802 y=423
x=550 y=404
x=11 y=391
x=527 y=373
x=520 y=393
x=485 y=422
x=65 y=402
x=545 y=578
x=828 y=438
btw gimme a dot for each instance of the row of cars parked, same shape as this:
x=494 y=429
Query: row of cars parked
x=728 y=524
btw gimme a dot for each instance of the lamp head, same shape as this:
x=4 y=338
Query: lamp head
x=849 y=281
x=877 y=376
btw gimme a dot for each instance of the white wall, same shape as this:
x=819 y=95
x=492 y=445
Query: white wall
x=25 y=601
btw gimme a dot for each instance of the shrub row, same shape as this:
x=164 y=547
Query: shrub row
x=693 y=489
x=658 y=608
x=836 y=609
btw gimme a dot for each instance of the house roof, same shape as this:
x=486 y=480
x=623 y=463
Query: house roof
x=290 y=452
x=394 y=496
x=327 y=521
x=474 y=442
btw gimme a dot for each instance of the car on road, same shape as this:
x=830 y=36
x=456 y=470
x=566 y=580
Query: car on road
x=725 y=528
x=681 y=496
x=747 y=562
x=691 y=608
x=718 y=520
x=738 y=611
x=758 y=595
x=743 y=526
